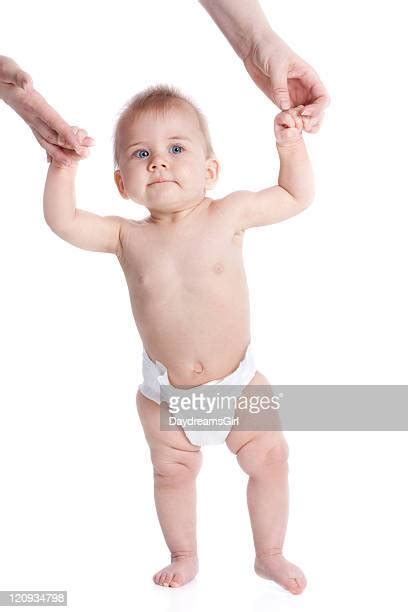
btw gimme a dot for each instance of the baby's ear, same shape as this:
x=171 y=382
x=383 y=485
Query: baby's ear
x=212 y=172
x=120 y=185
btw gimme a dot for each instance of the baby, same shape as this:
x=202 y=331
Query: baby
x=184 y=269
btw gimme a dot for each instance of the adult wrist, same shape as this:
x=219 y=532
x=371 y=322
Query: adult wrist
x=259 y=37
x=13 y=96
x=5 y=93
x=267 y=41
x=242 y=22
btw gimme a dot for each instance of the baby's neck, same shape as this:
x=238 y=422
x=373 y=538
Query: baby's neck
x=173 y=217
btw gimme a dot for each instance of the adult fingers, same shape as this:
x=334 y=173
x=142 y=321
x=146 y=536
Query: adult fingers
x=82 y=136
x=316 y=110
x=312 y=124
x=65 y=138
x=53 y=137
x=45 y=131
x=295 y=112
x=60 y=153
x=88 y=141
x=60 y=156
x=310 y=89
x=41 y=113
x=317 y=96
x=279 y=92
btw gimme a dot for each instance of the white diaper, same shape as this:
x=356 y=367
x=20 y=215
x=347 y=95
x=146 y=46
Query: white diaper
x=155 y=375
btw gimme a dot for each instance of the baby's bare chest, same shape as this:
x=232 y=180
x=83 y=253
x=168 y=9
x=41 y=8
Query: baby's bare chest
x=191 y=261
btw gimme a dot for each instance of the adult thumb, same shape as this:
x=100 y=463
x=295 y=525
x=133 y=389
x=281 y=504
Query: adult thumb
x=279 y=91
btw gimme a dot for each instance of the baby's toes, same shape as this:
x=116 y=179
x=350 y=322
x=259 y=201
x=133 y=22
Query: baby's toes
x=302 y=582
x=166 y=580
x=176 y=581
x=294 y=587
x=297 y=584
x=156 y=578
x=159 y=578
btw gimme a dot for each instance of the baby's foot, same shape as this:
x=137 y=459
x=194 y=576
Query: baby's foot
x=275 y=567
x=181 y=570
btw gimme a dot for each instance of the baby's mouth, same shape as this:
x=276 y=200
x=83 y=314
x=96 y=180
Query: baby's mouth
x=160 y=182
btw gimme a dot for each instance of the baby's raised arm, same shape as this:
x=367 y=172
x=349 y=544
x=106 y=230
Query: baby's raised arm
x=295 y=188
x=82 y=228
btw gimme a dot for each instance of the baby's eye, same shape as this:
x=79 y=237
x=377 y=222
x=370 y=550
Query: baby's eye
x=141 y=153
x=176 y=148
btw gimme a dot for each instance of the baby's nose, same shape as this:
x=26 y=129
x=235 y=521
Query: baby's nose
x=157 y=162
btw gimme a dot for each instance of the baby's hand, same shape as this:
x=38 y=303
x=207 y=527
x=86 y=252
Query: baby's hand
x=82 y=135
x=288 y=126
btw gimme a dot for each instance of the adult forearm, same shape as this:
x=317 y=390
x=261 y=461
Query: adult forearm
x=12 y=74
x=296 y=173
x=8 y=93
x=59 y=198
x=243 y=22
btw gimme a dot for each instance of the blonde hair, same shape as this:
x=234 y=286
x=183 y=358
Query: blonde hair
x=158 y=98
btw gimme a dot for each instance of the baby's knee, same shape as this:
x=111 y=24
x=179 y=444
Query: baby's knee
x=179 y=468
x=264 y=455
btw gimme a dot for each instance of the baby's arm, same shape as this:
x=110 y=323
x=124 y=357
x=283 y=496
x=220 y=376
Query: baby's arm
x=295 y=188
x=80 y=227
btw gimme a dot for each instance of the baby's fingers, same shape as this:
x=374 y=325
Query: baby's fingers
x=298 y=119
x=285 y=119
x=295 y=114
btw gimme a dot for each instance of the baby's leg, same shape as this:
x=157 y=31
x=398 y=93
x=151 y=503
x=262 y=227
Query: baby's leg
x=176 y=463
x=263 y=456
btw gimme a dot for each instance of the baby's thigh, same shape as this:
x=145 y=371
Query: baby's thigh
x=149 y=413
x=174 y=458
x=246 y=441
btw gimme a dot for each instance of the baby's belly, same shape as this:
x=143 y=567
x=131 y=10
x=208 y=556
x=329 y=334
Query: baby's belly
x=198 y=336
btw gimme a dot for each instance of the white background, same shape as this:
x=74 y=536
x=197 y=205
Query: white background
x=328 y=298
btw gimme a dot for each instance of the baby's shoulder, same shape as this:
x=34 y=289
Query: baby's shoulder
x=128 y=225
x=231 y=205
x=130 y=232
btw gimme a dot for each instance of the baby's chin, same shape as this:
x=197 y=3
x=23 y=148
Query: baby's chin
x=168 y=205
x=171 y=198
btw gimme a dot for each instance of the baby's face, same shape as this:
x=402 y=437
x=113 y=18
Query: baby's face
x=169 y=148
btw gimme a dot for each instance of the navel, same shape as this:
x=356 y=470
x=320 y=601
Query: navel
x=218 y=268
x=198 y=368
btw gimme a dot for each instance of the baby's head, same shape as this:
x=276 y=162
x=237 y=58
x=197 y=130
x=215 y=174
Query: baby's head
x=162 y=135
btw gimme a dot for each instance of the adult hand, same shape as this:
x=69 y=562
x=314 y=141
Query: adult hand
x=62 y=144
x=287 y=79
